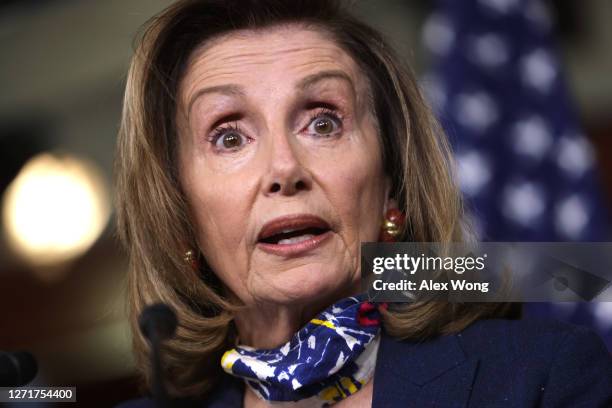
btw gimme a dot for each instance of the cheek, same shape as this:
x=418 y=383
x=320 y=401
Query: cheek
x=357 y=192
x=220 y=206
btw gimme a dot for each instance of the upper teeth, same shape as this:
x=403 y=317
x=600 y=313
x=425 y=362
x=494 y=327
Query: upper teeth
x=295 y=239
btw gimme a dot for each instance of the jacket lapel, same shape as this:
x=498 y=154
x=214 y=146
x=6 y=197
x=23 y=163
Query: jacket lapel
x=228 y=394
x=433 y=373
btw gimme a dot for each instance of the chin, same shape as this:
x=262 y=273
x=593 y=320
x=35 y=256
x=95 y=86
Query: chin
x=309 y=283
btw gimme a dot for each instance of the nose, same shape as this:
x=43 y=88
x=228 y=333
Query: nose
x=286 y=173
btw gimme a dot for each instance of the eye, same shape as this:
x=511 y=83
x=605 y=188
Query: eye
x=325 y=122
x=229 y=138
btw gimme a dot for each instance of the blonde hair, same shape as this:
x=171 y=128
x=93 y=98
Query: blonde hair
x=154 y=221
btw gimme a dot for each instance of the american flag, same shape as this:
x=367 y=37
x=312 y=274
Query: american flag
x=526 y=169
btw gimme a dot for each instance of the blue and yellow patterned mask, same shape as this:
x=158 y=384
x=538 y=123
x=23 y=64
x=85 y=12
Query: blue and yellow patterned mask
x=331 y=357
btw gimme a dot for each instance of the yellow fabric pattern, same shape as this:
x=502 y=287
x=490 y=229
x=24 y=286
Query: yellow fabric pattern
x=325 y=323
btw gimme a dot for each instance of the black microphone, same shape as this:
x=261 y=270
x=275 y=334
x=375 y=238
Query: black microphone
x=17 y=368
x=158 y=323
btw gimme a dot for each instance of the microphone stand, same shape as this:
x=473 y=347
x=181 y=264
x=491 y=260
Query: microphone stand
x=17 y=368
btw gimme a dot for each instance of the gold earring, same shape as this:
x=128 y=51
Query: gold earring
x=190 y=258
x=392 y=225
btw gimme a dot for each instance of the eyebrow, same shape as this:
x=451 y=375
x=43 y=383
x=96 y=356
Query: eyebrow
x=302 y=85
x=310 y=80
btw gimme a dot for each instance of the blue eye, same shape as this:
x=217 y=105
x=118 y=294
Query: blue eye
x=324 y=123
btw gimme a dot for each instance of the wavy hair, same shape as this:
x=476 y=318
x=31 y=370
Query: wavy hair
x=154 y=221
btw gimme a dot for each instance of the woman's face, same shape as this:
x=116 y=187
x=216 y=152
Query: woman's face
x=281 y=164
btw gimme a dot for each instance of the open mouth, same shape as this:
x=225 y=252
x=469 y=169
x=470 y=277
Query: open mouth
x=288 y=237
x=293 y=235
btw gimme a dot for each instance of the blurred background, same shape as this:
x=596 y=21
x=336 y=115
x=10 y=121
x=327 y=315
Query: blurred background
x=523 y=88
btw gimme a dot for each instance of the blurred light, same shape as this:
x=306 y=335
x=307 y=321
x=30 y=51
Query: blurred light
x=474 y=171
x=55 y=209
x=524 y=202
x=438 y=34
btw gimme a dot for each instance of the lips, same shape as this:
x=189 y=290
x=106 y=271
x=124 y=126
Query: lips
x=292 y=226
x=294 y=234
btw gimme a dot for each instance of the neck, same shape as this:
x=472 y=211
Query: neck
x=267 y=325
x=319 y=367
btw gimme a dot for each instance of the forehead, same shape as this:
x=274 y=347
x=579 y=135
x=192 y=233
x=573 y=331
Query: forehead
x=267 y=57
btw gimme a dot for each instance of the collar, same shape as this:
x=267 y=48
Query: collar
x=326 y=361
x=414 y=374
x=407 y=374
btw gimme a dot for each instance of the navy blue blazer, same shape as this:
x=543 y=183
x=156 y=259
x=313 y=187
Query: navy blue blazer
x=492 y=363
